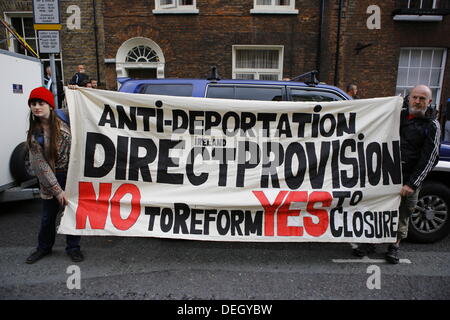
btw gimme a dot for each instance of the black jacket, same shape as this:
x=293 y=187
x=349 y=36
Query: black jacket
x=79 y=78
x=419 y=144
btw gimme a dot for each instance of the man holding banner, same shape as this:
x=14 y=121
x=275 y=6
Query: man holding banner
x=419 y=137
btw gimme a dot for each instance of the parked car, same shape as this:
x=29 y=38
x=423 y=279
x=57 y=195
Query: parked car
x=430 y=221
x=310 y=90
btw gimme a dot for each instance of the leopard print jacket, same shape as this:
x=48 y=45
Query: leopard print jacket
x=48 y=184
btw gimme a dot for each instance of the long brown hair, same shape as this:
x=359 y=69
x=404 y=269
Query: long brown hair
x=35 y=129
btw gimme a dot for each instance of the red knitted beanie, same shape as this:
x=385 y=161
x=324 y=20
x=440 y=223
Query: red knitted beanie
x=42 y=94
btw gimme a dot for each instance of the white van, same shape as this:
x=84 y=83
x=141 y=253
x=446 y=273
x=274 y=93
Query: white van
x=20 y=74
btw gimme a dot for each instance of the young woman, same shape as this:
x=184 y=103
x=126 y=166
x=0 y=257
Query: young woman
x=49 y=148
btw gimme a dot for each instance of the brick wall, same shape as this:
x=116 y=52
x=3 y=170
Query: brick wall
x=192 y=43
x=374 y=68
x=78 y=45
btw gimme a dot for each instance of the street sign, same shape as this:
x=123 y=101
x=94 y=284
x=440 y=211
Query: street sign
x=49 y=41
x=46 y=12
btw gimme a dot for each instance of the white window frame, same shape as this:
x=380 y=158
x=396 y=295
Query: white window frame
x=417 y=17
x=19 y=14
x=407 y=87
x=122 y=66
x=421 y=4
x=274 y=8
x=258 y=72
x=8 y=15
x=175 y=7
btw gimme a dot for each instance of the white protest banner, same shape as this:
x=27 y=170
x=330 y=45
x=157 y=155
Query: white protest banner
x=233 y=170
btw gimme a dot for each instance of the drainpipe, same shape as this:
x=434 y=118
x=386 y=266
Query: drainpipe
x=320 y=40
x=336 y=66
x=96 y=40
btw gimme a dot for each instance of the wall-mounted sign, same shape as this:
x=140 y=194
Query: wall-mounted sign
x=46 y=12
x=49 y=41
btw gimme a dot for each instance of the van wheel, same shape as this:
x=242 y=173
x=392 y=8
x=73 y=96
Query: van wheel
x=430 y=221
x=17 y=163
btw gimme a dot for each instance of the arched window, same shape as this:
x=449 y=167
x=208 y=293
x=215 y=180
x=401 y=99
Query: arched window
x=142 y=54
x=140 y=58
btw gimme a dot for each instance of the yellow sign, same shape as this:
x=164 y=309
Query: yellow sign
x=47 y=27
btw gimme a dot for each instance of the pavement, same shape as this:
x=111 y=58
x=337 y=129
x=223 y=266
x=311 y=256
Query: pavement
x=164 y=269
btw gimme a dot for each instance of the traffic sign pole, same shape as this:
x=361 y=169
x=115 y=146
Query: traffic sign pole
x=54 y=86
x=47 y=20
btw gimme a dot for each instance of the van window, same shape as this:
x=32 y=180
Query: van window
x=245 y=93
x=220 y=92
x=180 y=90
x=313 y=95
x=259 y=93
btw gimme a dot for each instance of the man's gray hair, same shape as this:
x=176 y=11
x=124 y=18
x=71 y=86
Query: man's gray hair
x=423 y=86
x=351 y=86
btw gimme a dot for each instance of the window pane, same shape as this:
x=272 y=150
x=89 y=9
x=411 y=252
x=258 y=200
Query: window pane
x=220 y=92
x=426 y=58
x=259 y=93
x=415 y=58
x=16 y=23
x=268 y=76
x=414 y=4
x=186 y=2
x=402 y=76
x=166 y=2
x=142 y=54
x=260 y=59
x=413 y=77
x=313 y=95
x=434 y=95
x=404 y=58
x=29 y=28
x=245 y=76
x=427 y=4
x=20 y=49
x=14 y=45
x=180 y=90
x=263 y=2
x=32 y=44
x=424 y=76
x=437 y=58
x=435 y=76
x=142 y=73
x=282 y=2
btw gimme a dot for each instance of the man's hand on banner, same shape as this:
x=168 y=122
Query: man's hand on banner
x=406 y=191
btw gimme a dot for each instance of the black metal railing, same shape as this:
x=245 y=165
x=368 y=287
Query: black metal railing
x=422 y=7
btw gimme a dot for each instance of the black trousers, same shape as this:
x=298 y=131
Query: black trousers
x=47 y=232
